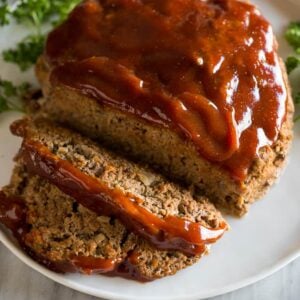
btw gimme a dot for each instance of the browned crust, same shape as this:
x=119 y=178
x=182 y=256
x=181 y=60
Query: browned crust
x=162 y=147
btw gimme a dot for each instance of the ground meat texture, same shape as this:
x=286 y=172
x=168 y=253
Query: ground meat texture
x=164 y=149
x=61 y=228
x=107 y=183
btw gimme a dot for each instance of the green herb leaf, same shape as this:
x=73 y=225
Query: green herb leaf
x=292 y=35
x=4 y=13
x=8 y=89
x=33 y=12
x=26 y=52
x=11 y=96
x=292 y=63
x=3 y=104
x=37 y=12
x=297 y=98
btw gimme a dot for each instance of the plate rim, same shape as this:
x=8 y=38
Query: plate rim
x=7 y=240
x=59 y=278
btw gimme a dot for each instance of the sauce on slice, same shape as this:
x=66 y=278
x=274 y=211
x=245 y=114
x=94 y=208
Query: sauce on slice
x=208 y=70
x=13 y=216
x=171 y=233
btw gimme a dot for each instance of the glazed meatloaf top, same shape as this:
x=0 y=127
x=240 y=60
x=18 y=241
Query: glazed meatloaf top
x=66 y=237
x=167 y=215
x=207 y=70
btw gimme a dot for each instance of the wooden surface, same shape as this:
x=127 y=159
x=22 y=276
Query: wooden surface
x=19 y=282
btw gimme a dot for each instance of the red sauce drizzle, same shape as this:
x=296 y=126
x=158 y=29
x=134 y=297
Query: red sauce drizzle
x=13 y=216
x=171 y=233
x=91 y=265
x=206 y=69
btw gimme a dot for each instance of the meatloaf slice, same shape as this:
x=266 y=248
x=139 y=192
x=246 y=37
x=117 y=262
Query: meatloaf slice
x=64 y=236
x=164 y=213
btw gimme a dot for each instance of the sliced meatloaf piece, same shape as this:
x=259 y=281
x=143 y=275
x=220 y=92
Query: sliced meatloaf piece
x=64 y=236
x=195 y=88
x=165 y=214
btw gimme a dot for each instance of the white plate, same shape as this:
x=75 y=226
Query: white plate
x=258 y=245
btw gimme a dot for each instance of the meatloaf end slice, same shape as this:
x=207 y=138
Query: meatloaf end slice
x=165 y=149
x=164 y=213
x=64 y=236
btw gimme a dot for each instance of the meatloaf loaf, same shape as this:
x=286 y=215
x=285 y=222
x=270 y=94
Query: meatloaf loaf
x=165 y=214
x=195 y=88
x=64 y=236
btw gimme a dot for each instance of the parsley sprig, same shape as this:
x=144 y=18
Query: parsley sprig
x=26 y=52
x=34 y=14
x=4 y=13
x=292 y=35
x=292 y=63
x=10 y=96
